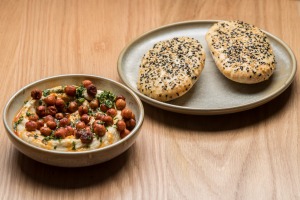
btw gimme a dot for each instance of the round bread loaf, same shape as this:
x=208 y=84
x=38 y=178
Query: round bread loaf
x=241 y=51
x=171 y=68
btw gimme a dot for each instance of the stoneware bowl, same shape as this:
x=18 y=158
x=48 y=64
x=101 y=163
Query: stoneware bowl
x=72 y=159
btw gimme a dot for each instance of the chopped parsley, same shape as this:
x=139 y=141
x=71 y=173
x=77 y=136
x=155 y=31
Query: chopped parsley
x=80 y=100
x=79 y=92
x=74 y=145
x=25 y=102
x=18 y=122
x=90 y=112
x=46 y=92
x=107 y=98
x=28 y=114
x=61 y=90
x=54 y=147
x=47 y=138
x=35 y=136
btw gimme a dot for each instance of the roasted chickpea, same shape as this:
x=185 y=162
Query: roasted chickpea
x=108 y=120
x=85 y=118
x=70 y=90
x=80 y=125
x=83 y=110
x=78 y=133
x=120 y=97
x=41 y=111
x=97 y=122
x=64 y=122
x=88 y=128
x=65 y=97
x=99 y=129
x=126 y=113
x=48 y=118
x=70 y=131
x=133 y=116
x=94 y=104
x=45 y=131
x=33 y=117
x=51 y=124
x=31 y=126
x=60 y=133
x=72 y=106
x=59 y=116
x=60 y=103
x=91 y=90
x=40 y=124
x=86 y=83
x=51 y=110
x=120 y=104
x=86 y=136
x=130 y=124
x=36 y=94
x=111 y=112
x=121 y=125
x=103 y=107
x=99 y=116
x=50 y=100
x=124 y=133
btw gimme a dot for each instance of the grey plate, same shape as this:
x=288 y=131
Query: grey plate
x=213 y=93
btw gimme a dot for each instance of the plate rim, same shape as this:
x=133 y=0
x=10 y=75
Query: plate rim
x=201 y=111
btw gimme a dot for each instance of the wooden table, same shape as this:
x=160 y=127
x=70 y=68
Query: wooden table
x=249 y=155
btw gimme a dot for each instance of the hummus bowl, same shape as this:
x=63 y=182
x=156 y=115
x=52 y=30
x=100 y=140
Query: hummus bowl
x=72 y=158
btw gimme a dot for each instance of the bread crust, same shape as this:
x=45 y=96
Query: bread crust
x=171 y=68
x=242 y=52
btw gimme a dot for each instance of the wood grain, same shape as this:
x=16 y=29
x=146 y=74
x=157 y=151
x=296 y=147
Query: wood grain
x=249 y=155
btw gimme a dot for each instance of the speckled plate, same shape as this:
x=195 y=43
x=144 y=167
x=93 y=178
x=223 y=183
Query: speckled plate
x=213 y=93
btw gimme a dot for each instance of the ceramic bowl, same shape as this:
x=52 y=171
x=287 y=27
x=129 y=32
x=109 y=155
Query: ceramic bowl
x=72 y=159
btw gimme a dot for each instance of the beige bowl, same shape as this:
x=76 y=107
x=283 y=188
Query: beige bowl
x=72 y=159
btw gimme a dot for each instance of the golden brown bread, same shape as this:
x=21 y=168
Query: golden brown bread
x=170 y=68
x=241 y=51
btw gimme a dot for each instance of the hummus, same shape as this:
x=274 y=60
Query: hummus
x=71 y=136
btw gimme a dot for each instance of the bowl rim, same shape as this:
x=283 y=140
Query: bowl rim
x=132 y=133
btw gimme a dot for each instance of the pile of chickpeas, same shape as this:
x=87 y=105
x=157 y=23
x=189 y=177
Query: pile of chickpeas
x=52 y=117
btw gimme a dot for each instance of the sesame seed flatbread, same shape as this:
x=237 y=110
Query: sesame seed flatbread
x=171 y=68
x=241 y=51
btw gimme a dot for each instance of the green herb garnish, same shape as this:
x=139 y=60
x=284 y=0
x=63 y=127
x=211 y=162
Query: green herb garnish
x=28 y=114
x=61 y=90
x=79 y=92
x=46 y=92
x=18 y=122
x=47 y=138
x=107 y=98
x=25 y=102
x=74 y=145
x=35 y=136
x=80 y=100
x=90 y=112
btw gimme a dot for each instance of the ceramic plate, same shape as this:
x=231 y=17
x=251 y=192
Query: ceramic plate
x=213 y=93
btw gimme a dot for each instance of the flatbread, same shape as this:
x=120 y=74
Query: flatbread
x=241 y=51
x=171 y=68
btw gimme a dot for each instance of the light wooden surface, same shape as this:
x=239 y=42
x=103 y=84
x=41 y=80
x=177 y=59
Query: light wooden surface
x=249 y=155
